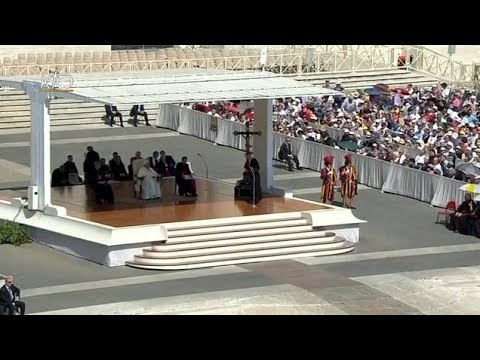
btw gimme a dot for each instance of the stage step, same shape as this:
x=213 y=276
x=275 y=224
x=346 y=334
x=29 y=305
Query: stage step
x=238 y=255
x=239 y=240
x=265 y=235
x=227 y=239
x=243 y=220
x=256 y=244
x=347 y=247
x=234 y=228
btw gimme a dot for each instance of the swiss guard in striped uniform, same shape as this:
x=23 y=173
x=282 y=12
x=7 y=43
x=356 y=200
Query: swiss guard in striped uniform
x=329 y=178
x=348 y=176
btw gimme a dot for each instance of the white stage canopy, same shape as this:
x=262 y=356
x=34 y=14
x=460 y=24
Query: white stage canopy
x=150 y=87
x=177 y=86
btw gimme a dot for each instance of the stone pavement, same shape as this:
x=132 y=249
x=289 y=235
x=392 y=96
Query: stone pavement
x=404 y=263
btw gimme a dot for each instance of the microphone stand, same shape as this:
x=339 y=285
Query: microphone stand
x=205 y=163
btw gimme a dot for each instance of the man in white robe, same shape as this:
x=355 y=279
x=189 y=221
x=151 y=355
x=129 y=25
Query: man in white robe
x=150 y=185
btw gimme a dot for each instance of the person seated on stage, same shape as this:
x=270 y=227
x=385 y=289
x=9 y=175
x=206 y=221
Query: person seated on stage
x=112 y=113
x=251 y=179
x=117 y=168
x=460 y=220
x=149 y=177
x=10 y=298
x=184 y=179
x=138 y=155
x=60 y=177
x=70 y=166
x=285 y=153
x=72 y=171
x=98 y=180
x=139 y=110
x=105 y=169
x=155 y=162
x=112 y=160
x=167 y=164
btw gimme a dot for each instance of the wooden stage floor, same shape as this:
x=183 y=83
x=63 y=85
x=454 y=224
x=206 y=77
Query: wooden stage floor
x=215 y=200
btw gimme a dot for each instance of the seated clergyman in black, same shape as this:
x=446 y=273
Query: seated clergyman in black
x=250 y=184
x=117 y=168
x=60 y=177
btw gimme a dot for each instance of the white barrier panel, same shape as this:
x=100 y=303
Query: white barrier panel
x=168 y=117
x=409 y=182
x=447 y=190
x=225 y=134
x=196 y=123
x=375 y=173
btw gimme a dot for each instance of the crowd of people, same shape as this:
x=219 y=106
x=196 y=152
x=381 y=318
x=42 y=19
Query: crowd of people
x=97 y=173
x=433 y=129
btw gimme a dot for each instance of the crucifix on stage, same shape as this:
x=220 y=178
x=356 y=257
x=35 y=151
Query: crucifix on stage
x=247 y=134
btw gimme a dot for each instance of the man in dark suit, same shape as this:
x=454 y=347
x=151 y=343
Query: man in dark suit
x=9 y=297
x=155 y=162
x=167 y=164
x=112 y=113
x=138 y=110
x=117 y=167
x=72 y=171
x=285 y=153
x=92 y=155
x=60 y=177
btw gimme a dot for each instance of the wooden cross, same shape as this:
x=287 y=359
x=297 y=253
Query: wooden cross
x=247 y=134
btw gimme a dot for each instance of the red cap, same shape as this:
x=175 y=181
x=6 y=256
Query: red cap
x=328 y=159
x=348 y=157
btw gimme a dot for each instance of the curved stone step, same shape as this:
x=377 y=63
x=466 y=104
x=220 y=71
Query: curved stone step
x=239 y=220
x=347 y=247
x=330 y=242
x=232 y=256
x=234 y=227
x=263 y=238
x=225 y=240
x=220 y=235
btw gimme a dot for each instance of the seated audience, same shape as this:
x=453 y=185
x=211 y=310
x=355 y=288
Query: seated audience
x=184 y=179
x=136 y=111
x=60 y=177
x=10 y=298
x=150 y=186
